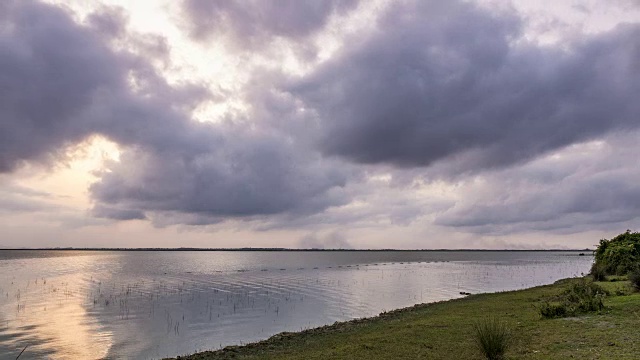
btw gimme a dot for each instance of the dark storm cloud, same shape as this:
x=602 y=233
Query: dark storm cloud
x=62 y=83
x=50 y=73
x=452 y=81
x=244 y=175
x=255 y=22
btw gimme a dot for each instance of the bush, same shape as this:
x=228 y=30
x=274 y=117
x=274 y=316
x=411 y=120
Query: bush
x=493 y=338
x=551 y=310
x=598 y=272
x=581 y=297
x=634 y=278
x=619 y=255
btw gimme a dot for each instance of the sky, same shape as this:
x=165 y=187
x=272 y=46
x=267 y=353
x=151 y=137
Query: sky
x=420 y=124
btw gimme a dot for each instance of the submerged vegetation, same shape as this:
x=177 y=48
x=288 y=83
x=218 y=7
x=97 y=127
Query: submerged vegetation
x=446 y=330
x=589 y=318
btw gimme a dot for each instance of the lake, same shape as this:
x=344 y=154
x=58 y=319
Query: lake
x=154 y=304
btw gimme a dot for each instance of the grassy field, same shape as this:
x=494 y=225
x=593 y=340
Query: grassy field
x=445 y=331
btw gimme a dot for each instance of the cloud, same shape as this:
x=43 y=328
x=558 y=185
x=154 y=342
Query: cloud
x=582 y=187
x=244 y=174
x=62 y=83
x=253 y=23
x=443 y=116
x=51 y=72
x=102 y=211
x=454 y=82
x=16 y=199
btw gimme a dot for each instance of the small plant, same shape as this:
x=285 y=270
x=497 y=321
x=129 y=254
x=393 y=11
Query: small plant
x=493 y=337
x=634 y=278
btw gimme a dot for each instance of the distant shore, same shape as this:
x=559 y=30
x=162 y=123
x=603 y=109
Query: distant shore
x=281 y=249
x=443 y=330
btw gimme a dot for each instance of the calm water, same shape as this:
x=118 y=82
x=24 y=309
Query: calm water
x=87 y=305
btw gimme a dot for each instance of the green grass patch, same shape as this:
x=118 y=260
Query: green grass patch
x=445 y=330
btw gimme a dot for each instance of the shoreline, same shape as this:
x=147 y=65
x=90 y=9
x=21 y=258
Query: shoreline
x=443 y=330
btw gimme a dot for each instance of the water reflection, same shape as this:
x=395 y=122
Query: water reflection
x=47 y=315
x=156 y=304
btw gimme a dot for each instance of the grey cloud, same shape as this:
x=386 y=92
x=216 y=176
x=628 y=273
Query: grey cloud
x=43 y=207
x=577 y=190
x=453 y=82
x=107 y=212
x=63 y=83
x=627 y=4
x=50 y=73
x=251 y=23
x=10 y=187
x=246 y=175
x=109 y=21
x=15 y=198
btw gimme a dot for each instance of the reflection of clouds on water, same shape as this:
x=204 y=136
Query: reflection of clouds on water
x=47 y=314
x=155 y=304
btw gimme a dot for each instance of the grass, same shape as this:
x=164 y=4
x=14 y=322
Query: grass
x=445 y=330
x=492 y=337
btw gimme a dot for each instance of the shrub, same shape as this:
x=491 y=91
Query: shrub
x=581 y=297
x=634 y=278
x=493 y=338
x=551 y=310
x=598 y=272
x=619 y=255
x=621 y=292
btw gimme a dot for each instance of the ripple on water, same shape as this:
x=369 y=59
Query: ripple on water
x=150 y=305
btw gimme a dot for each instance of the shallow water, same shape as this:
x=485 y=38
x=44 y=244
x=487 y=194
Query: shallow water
x=146 y=304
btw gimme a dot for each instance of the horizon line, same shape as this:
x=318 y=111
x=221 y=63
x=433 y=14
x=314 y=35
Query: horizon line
x=69 y=248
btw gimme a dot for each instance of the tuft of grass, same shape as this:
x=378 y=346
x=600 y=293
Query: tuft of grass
x=492 y=337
